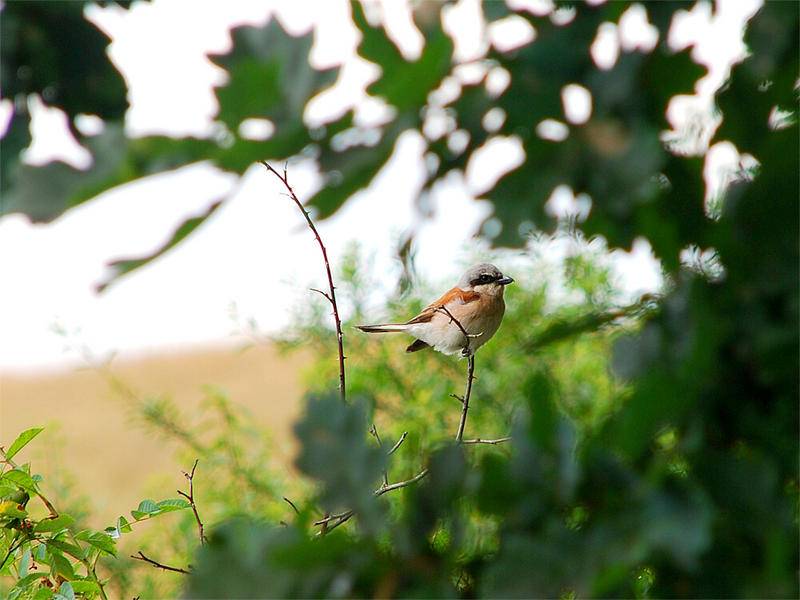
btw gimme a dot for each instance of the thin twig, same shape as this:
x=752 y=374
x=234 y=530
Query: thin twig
x=343 y=519
x=159 y=565
x=346 y=516
x=401 y=484
x=333 y=517
x=470 y=372
x=14 y=546
x=374 y=433
x=470 y=377
x=339 y=335
x=397 y=444
x=190 y=498
x=290 y=503
x=492 y=442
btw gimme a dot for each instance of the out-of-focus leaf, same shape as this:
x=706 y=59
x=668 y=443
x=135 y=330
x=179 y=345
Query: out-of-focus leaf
x=269 y=78
x=336 y=453
x=50 y=49
x=352 y=169
x=17 y=137
x=247 y=559
x=45 y=192
x=121 y=267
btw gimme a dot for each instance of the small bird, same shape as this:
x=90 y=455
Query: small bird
x=476 y=303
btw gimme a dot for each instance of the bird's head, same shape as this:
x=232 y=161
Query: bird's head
x=484 y=278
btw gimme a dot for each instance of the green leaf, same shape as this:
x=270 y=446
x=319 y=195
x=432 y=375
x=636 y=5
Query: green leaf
x=20 y=478
x=147 y=506
x=84 y=586
x=65 y=592
x=54 y=524
x=29 y=579
x=100 y=540
x=43 y=593
x=74 y=551
x=61 y=565
x=172 y=504
x=22 y=441
x=123 y=526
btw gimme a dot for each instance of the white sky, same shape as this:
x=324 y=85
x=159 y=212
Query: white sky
x=255 y=251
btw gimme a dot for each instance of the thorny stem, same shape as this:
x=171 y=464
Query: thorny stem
x=470 y=374
x=190 y=498
x=159 y=565
x=470 y=377
x=284 y=179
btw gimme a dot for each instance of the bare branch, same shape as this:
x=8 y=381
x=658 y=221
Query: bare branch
x=374 y=433
x=492 y=442
x=290 y=503
x=342 y=518
x=465 y=351
x=190 y=498
x=397 y=444
x=470 y=377
x=325 y=294
x=159 y=565
x=333 y=517
x=401 y=484
x=284 y=179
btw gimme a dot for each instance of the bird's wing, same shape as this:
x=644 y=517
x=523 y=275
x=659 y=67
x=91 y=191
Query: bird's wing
x=454 y=295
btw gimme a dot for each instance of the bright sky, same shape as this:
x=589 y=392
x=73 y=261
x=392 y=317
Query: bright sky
x=255 y=252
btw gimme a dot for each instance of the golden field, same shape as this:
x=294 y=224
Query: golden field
x=93 y=438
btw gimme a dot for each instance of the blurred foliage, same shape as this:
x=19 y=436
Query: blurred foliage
x=681 y=481
x=48 y=552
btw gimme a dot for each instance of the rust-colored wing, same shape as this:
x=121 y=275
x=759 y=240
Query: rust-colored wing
x=455 y=294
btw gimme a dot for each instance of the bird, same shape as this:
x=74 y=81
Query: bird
x=475 y=304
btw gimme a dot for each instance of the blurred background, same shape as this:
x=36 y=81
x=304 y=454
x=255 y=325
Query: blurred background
x=156 y=304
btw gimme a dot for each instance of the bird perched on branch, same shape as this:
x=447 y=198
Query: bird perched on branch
x=462 y=320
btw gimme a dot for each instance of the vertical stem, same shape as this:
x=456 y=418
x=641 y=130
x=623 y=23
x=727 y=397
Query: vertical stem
x=465 y=401
x=332 y=296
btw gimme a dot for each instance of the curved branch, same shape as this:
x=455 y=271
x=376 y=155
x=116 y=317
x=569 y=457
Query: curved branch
x=284 y=179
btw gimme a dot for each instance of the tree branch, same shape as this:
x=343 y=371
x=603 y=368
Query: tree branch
x=290 y=503
x=190 y=498
x=159 y=565
x=342 y=518
x=470 y=377
x=401 y=484
x=492 y=442
x=284 y=179
x=374 y=432
x=465 y=351
x=397 y=444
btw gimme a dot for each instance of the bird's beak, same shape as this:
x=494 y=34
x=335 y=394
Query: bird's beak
x=505 y=281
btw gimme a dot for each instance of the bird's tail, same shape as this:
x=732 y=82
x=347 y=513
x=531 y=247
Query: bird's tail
x=383 y=328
